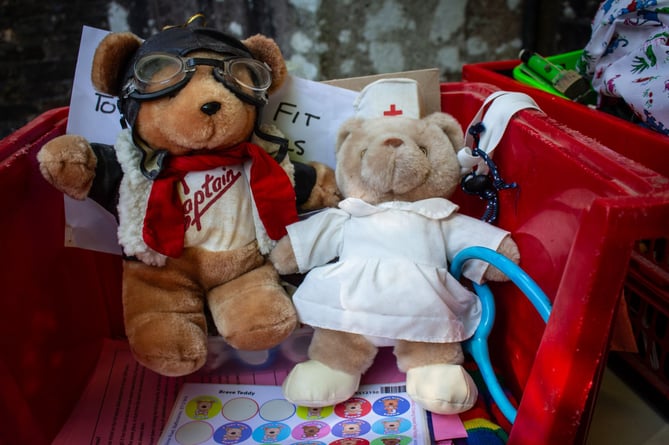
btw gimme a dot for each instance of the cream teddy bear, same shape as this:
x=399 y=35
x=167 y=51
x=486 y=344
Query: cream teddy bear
x=378 y=264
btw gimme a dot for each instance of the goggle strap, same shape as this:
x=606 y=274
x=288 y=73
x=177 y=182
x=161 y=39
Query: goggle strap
x=151 y=163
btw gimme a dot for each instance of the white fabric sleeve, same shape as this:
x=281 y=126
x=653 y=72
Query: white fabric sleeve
x=464 y=231
x=317 y=239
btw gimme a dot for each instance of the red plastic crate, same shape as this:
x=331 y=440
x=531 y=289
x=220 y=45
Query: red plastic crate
x=58 y=303
x=647 y=297
x=651 y=264
x=576 y=214
x=645 y=146
x=578 y=211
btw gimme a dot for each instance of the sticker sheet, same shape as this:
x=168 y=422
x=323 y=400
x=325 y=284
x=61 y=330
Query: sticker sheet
x=253 y=414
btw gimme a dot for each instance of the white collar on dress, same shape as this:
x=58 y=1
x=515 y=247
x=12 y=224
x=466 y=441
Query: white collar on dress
x=433 y=208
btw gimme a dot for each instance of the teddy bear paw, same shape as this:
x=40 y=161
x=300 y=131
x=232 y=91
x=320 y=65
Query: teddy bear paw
x=68 y=163
x=168 y=344
x=442 y=388
x=314 y=384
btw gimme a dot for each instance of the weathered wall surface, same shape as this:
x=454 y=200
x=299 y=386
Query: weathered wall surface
x=320 y=39
x=331 y=39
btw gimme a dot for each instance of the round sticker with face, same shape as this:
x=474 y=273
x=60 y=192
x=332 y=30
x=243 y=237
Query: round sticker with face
x=351 y=428
x=309 y=413
x=203 y=407
x=231 y=433
x=391 y=425
x=391 y=406
x=311 y=430
x=273 y=432
x=353 y=407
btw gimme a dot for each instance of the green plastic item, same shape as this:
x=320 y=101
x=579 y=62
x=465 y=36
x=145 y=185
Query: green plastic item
x=524 y=75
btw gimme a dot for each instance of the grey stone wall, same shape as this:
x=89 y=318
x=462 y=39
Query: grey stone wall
x=320 y=39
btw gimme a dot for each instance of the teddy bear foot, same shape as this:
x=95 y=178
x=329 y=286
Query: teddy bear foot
x=314 y=384
x=442 y=388
x=170 y=349
x=253 y=312
x=260 y=323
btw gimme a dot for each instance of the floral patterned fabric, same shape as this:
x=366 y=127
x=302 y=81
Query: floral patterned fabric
x=627 y=58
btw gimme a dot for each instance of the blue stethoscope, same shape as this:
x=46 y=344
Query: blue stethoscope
x=477 y=346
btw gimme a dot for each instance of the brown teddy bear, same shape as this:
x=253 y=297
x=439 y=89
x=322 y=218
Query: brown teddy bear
x=198 y=205
x=377 y=265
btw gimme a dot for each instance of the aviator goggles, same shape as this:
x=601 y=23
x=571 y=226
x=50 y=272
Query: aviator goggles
x=159 y=74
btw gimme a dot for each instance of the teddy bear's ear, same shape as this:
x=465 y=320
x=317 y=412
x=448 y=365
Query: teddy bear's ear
x=346 y=129
x=266 y=50
x=110 y=59
x=450 y=126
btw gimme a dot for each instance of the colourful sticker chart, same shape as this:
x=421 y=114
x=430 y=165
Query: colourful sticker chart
x=222 y=414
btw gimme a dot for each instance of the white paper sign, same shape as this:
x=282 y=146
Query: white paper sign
x=94 y=116
x=310 y=114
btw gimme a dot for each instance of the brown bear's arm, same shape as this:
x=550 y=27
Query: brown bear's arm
x=283 y=257
x=68 y=163
x=509 y=249
x=81 y=169
x=321 y=191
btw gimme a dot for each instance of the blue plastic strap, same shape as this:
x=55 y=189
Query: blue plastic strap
x=477 y=346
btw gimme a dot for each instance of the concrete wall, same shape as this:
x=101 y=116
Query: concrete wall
x=320 y=39
x=331 y=39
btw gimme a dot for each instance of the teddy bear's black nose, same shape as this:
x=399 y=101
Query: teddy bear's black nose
x=210 y=108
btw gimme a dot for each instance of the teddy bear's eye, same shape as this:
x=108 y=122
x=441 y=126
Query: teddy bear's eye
x=423 y=149
x=363 y=152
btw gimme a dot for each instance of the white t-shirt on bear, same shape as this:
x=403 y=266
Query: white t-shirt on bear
x=218 y=209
